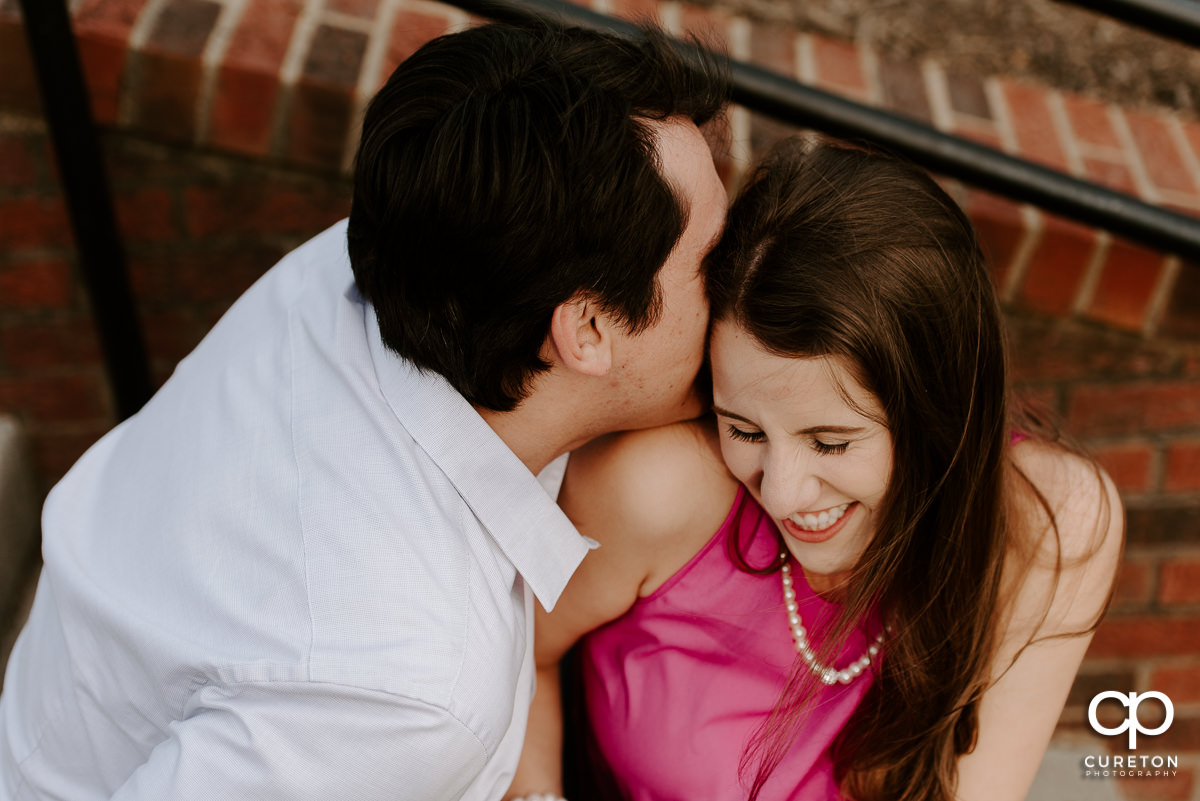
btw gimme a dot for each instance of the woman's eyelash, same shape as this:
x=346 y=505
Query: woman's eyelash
x=744 y=436
x=823 y=448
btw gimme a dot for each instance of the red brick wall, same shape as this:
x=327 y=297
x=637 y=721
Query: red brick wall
x=230 y=124
x=198 y=229
x=1135 y=402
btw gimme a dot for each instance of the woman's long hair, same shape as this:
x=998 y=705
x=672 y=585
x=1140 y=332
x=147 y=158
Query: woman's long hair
x=832 y=250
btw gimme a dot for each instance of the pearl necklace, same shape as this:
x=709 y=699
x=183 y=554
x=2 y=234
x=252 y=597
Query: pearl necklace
x=827 y=674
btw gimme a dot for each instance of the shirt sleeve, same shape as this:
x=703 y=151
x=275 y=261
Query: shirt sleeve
x=297 y=741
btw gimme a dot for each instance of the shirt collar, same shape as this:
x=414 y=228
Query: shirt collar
x=516 y=510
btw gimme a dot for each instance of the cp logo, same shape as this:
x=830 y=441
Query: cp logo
x=1131 y=702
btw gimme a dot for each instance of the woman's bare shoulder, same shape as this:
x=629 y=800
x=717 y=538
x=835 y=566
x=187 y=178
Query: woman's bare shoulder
x=649 y=498
x=1069 y=512
x=1083 y=499
x=655 y=482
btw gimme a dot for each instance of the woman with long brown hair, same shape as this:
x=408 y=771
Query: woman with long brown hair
x=906 y=568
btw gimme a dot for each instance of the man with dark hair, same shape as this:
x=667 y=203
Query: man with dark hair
x=307 y=568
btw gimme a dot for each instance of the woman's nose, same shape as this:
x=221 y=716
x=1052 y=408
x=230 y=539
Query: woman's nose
x=789 y=484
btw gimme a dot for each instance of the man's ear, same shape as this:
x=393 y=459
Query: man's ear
x=582 y=335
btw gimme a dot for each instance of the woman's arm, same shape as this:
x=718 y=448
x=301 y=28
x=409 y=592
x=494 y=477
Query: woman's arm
x=1018 y=713
x=652 y=499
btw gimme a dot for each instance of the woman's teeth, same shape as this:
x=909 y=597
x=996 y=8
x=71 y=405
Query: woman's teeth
x=821 y=520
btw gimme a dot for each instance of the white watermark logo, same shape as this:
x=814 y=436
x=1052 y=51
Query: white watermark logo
x=1132 y=723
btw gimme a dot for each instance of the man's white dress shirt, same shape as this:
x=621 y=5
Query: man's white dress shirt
x=303 y=571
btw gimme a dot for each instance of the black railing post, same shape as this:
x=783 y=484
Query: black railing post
x=1171 y=19
x=89 y=202
x=975 y=164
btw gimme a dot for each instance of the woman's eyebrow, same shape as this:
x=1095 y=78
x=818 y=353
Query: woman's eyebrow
x=726 y=413
x=823 y=429
x=831 y=430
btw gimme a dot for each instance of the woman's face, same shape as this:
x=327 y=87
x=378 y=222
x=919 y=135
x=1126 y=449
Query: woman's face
x=818 y=464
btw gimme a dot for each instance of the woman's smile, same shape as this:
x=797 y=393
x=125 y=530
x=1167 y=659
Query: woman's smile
x=819 y=527
x=821 y=520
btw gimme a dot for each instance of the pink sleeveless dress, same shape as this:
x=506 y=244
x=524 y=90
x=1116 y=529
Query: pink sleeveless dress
x=676 y=688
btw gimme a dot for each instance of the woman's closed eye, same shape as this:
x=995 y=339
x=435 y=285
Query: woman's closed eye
x=744 y=436
x=823 y=448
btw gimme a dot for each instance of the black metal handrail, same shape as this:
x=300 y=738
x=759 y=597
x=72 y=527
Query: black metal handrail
x=1173 y=19
x=101 y=255
x=89 y=201
x=793 y=102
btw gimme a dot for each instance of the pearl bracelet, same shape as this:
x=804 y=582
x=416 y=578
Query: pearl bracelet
x=540 y=797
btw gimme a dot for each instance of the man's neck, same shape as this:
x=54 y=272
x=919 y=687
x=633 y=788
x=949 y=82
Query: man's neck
x=543 y=427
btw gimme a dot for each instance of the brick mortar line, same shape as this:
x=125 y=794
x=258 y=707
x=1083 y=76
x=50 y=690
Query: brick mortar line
x=957 y=191
x=1179 y=136
x=459 y=20
x=1160 y=299
x=1177 y=198
x=37 y=428
x=1031 y=238
x=1168 y=613
x=740 y=154
x=1151 y=439
x=1086 y=292
x=1066 y=132
x=1132 y=497
x=134 y=77
x=370 y=75
x=37 y=253
x=12 y=122
x=671 y=16
x=1142 y=674
x=740 y=38
x=1189 y=559
x=938 y=93
x=299 y=45
x=806 y=59
x=869 y=62
x=289 y=71
x=1157 y=469
x=1006 y=128
x=1133 y=156
x=1113 y=155
x=214 y=53
x=1062 y=133
x=349 y=22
